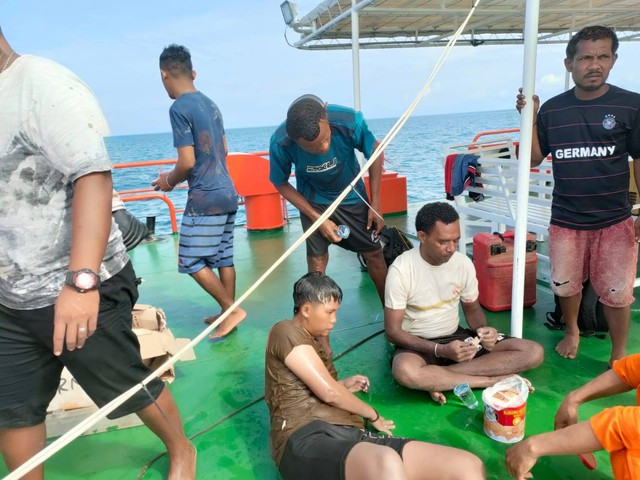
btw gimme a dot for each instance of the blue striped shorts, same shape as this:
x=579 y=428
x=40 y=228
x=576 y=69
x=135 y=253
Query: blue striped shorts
x=206 y=241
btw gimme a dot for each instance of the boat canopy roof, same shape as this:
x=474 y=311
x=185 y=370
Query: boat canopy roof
x=422 y=23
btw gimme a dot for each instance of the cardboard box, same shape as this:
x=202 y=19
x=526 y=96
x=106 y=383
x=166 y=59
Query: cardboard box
x=148 y=317
x=70 y=395
x=156 y=347
x=61 y=421
x=157 y=344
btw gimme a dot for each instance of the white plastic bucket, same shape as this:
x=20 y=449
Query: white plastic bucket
x=505 y=408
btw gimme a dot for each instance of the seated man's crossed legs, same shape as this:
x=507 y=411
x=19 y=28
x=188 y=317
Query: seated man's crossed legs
x=425 y=371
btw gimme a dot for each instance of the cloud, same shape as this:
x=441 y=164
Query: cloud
x=551 y=79
x=245 y=65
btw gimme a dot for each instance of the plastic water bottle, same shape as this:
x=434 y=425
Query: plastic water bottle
x=343 y=231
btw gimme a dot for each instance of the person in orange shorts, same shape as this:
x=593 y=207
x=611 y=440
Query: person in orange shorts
x=615 y=429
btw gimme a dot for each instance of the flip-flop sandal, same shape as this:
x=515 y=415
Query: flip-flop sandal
x=588 y=460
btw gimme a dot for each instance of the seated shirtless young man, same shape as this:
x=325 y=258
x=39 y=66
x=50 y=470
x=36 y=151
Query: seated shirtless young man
x=424 y=289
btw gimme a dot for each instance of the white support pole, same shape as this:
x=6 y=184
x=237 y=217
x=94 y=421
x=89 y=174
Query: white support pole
x=355 y=60
x=567 y=80
x=522 y=198
x=329 y=25
x=355 y=54
x=567 y=75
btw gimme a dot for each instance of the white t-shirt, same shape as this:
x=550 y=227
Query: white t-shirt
x=430 y=295
x=51 y=134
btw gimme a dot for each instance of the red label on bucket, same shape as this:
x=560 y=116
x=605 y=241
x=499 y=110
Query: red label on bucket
x=512 y=416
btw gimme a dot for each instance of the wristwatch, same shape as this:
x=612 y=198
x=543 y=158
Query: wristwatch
x=83 y=280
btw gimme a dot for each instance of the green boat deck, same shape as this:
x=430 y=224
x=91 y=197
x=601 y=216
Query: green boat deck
x=220 y=393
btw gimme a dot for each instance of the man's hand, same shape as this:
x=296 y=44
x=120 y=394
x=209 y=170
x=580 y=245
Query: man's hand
x=373 y=218
x=636 y=227
x=161 y=183
x=520 y=461
x=75 y=318
x=384 y=426
x=329 y=230
x=520 y=103
x=488 y=337
x=458 y=351
x=357 y=383
x=567 y=413
x=536 y=151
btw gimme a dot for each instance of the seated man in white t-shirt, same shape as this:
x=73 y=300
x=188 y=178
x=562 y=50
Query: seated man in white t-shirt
x=424 y=289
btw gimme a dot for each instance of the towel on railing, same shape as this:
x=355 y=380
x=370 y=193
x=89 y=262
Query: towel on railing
x=459 y=173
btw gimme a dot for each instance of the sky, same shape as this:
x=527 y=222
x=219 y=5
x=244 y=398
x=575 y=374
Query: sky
x=243 y=62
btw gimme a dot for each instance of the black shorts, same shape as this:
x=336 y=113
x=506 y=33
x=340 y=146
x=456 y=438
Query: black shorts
x=319 y=450
x=107 y=365
x=360 y=239
x=460 y=334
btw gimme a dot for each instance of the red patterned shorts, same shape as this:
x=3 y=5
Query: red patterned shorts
x=608 y=257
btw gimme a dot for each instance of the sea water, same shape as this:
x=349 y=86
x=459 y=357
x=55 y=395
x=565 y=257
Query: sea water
x=416 y=152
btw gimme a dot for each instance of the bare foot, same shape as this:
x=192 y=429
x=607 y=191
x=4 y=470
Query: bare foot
x=485 y=382
x=568 y=346
x=529 y=384
x=438 y=397
x=212 y=318
x=182 y=463
x=229 y=323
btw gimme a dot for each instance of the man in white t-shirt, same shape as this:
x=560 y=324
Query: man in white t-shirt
x=424 y=289
x=67 y=285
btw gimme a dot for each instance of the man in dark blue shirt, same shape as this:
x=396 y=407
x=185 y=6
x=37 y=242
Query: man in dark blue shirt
x=206 y=234
x=591 y=131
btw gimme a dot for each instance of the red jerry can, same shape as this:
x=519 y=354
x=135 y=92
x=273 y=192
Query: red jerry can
x=493 y=259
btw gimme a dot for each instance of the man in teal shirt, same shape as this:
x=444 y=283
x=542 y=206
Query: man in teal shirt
x=319 y=140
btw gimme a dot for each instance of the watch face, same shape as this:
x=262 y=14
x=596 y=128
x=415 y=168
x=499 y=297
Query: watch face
x=85 y=280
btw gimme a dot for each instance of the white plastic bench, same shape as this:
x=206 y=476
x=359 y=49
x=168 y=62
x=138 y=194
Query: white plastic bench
x=497 y=181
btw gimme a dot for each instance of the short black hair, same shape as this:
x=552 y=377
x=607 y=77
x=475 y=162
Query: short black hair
x=303 y=118
x=431 y=213
x=315 y=287
x=176 y=60
x=593 y=33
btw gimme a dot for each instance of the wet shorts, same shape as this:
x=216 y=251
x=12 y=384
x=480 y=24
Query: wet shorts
x=355 y=216
x=607 y=257
x=460 y=334
x=107 y=365
x=319 y=450
x=206 y=241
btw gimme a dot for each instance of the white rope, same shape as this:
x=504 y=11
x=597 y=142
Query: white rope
x=76 y=431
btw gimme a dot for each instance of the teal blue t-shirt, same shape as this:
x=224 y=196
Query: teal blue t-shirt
x=196 y=121
x=321 y=178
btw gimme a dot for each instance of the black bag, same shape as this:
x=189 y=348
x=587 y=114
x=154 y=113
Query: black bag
x=133 y=230
x=591 y=319
x=394 y=242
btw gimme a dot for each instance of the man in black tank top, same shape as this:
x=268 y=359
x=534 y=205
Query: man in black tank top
x=591 y=132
